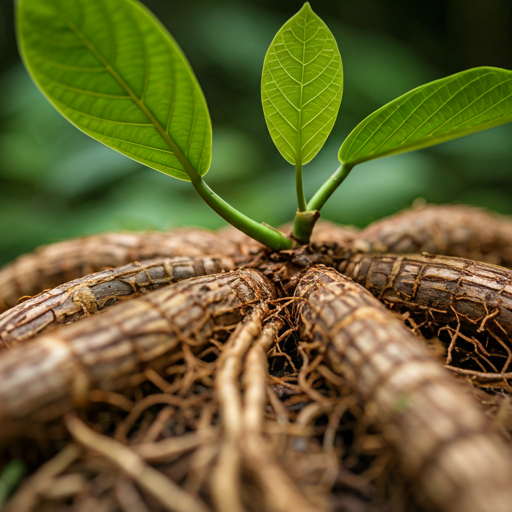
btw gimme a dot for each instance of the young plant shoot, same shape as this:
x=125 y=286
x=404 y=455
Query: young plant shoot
x=301 y=89
x=115 y=72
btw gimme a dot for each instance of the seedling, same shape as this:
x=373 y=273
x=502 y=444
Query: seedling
x=114 y=71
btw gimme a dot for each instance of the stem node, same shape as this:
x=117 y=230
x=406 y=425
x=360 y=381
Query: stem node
x=303 y=225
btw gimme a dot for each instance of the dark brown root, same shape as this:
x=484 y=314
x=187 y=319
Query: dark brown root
x=54 y=373
x=443 y=442
x=469 y=301
x=55 y=264
x=452 y=230
x=51 y=265
x=87 y=295
x=282 y=465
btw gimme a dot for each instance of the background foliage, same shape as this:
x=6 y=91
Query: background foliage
x=56 y=183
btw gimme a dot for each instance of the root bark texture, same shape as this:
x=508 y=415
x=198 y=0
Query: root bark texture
x=48 y=377
x=468 y=300
x=87 y=295
x=451 y=230
x=443 y=441
x=207 y=373
x=52 y=265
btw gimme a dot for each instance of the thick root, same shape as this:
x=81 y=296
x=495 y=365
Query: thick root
x=51 y=265
x=467 y=299
x=87 y=295
x=54 y=373
x=444 y=444
x=451 y=230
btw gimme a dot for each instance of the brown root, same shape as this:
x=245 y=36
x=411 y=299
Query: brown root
x=443 y=442
x=54 y=373
x=168 y=494
x=226 y=475
x=87 y=295
x=468 y=300
x=51 y=265
x=268 y=420
x=451 y=230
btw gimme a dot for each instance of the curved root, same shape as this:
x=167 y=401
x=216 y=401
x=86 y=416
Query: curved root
x=451 y=230
x=54 y=373
x=92 y=293
x=470 y=300
x=51 y=265
x=443 y=441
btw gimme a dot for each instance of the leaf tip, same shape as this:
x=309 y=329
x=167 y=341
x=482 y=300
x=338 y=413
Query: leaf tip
x=306 y=8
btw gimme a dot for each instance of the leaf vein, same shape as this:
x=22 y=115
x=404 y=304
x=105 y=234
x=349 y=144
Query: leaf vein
x=474 y=101
x=409 y=116
x=104 y=119
x=85 y=91
x=442 y=105
x=317 y=132
x=319 y=113
x=284 y=138
x=324 y=89
x=322 y=72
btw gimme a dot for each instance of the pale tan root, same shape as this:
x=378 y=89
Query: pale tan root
x=282 y=494
x=226 y=477
x=29 y=493
x=155 y=483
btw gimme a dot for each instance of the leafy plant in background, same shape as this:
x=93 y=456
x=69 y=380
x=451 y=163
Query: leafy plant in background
x=114 y=71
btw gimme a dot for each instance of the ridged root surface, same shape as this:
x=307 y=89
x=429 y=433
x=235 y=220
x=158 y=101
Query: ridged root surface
x=53 y=374
x=443 y=441
x=202 y=372
x=94 y=292
x=451 y=230
x=469 y=301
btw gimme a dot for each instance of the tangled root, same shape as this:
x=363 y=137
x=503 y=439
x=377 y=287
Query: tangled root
x=278 y=386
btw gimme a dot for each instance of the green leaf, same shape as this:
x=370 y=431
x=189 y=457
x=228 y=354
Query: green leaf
x=436 y=112
x=113 y=70
x=301 y=86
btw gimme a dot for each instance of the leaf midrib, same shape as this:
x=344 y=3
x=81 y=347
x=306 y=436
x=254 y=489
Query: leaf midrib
x=187 y=166
x=299 y=131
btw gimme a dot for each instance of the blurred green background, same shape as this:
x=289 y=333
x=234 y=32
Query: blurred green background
x=57 y=183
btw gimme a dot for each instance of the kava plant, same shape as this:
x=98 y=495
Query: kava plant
x=222 y=375
x=121 y=78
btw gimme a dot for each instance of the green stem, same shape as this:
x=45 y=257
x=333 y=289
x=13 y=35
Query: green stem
x=301 y=199
x=267 y=235
x=303 y=225
x=327 y=189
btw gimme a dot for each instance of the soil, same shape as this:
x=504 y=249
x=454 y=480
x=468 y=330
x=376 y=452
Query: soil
x=199 y=371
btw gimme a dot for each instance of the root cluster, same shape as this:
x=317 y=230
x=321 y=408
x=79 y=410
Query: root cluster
x=204 y=373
